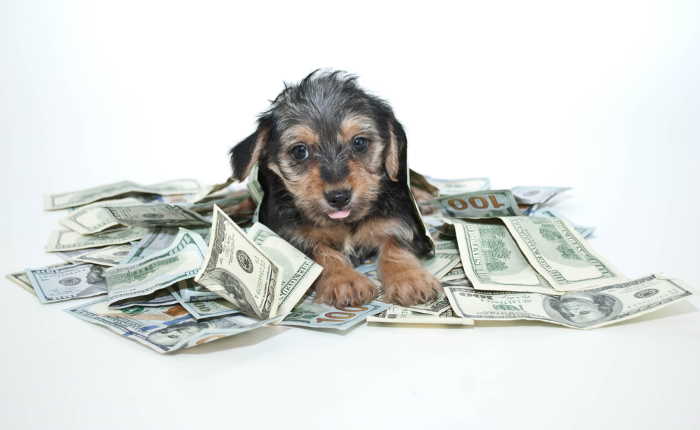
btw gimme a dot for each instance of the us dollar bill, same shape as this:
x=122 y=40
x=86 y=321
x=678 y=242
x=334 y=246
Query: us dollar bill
x=445 y=259
x=584 y=231
x=158 y=298
x=65 y=240
x=156 y=240
x=94 y=218
x=89 y=195
x=447 y=187
x=100 y=216
x=107 y=256
x=436 y=306
x=297 y=271
x=166 y=328
x=157 y=215
x=480 y=204
x=238 y=205
x=206 y=309
x=493 y=261
x=536 y=195
x=21 y=279
x=558 y=253
x=455 y=274
x=180 y=260
x=395 y=314
x=70 y=256
x=191 y=291
x=67 y=281
x=584 y=309
x=318 y=315
x=239 y=271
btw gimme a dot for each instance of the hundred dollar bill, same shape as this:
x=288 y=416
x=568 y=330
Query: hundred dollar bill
x=536 y=195
x=445 y=259
x=67 y=281
x=583 y=309
x=70 y=256
x=108 y=256
x=21 y=279
x=156 y=240
x=558 y=253
x=448 y=187
x=159 y=298
x=395 y=314
x=436 y=306
x=318 y=315
x=227 y=202
x=83 y=197
x=94 y=218
x=180 y=260
x=160 y=215
x=455 y=274
x=206 y=309
x=493 y=261
x=64 y=240
x=165 y=328
x=239 y=271
x=297 y=271
x=191 y=291
x=480 y=204
x=584 y=231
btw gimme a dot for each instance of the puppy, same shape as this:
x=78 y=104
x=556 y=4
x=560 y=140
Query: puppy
x=332 y=165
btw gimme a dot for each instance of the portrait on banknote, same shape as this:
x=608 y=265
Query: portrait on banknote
x=582 y=309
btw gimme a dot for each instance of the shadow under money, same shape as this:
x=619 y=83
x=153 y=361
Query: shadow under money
x=249 y=338
x=422 y=326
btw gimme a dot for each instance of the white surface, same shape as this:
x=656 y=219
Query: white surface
x=602 y=97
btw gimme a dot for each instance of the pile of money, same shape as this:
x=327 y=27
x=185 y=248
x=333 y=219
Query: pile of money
x=175 y=264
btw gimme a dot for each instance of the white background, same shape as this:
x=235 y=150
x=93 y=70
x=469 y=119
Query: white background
x=600 y=96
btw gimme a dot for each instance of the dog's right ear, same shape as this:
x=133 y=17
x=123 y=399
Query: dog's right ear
x=246 y=153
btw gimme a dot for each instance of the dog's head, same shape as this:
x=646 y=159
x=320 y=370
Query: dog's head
x=330 y=143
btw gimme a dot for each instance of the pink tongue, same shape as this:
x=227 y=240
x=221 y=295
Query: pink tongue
x=339 y=214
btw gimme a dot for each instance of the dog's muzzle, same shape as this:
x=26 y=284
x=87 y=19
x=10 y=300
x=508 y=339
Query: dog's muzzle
x=339 y=199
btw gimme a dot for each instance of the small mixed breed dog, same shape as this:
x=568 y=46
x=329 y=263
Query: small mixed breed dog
x=332 y=165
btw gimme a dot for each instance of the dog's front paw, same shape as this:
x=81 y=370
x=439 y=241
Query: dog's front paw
x=344 y=288
x=410 y=286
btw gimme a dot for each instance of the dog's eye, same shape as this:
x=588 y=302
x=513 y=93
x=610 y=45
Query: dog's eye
x=299 y=152
x=359 y=144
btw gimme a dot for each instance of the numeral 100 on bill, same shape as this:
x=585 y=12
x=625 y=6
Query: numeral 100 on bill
x=477 y=202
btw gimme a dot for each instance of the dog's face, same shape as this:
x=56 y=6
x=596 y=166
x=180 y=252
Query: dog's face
x=330 y=143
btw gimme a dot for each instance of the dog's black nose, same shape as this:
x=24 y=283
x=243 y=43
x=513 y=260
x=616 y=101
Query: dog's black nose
x=338 y=198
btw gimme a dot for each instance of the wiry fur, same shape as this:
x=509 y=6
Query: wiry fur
x=325 y=112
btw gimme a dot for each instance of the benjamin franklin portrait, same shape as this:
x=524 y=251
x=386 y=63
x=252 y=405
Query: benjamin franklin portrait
x=582 y=309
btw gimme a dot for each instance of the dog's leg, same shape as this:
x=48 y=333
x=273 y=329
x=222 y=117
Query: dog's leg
x=405 y=281
x=339 y=284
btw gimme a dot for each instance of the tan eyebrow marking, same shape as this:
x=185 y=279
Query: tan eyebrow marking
x=356 y=124
x=300 y=133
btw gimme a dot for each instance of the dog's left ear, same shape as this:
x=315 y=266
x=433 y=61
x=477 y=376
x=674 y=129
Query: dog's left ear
x=397 y=143
x=246 y=153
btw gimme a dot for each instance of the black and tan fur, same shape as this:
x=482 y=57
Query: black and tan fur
x=353 y=144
